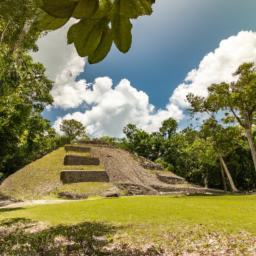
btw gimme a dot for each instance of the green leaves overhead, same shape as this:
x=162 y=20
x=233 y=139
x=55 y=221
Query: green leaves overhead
x=47 y=22
x=87 y=41
x=134 y=8
x=85 y=8
x=59 y=8
x=103 y=48
x=102 y=22
x=122 y=27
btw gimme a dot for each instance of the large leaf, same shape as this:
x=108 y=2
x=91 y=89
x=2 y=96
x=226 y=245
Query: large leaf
x=134 y=8
x=121 y=27
x=47 y=22
x=103 y=48
x=104 y=9
x=59 y=8
x=86 y=35
x=85 y=8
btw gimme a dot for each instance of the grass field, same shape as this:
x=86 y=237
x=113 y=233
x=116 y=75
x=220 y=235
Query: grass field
x=39 y=178
x=214 y=223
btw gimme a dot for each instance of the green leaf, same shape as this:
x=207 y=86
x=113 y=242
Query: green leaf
x=86 y=35
x=103 y=9
x=103 y=48
x=47 y=22
x=85 y=8
x=59 y=8
x=134 y=8
x=122 y=27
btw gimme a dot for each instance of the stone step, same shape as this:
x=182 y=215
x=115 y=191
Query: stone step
x=77 y=148
x=169 y=179
x=80 y=160
x=186 y=189
x=76 y=176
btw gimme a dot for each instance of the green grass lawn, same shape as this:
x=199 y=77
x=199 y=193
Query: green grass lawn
x=226 y=213
x=39 y=178
x=157 y=219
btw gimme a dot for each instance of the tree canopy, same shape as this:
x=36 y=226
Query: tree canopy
x=73 y=129
x=237 y=99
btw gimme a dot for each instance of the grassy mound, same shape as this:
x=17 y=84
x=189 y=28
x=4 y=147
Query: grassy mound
x=219 y=225
x=41 y=177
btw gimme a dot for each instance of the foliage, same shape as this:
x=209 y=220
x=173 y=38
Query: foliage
x=237 y=99
x=195 y=155
x=73 y=129
x=24 y=90
x=101 y=22
x=19 y=24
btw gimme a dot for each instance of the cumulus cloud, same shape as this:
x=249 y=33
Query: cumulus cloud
x=217 y=66
x=108 y=108
x=112 y=108
x=63 y=66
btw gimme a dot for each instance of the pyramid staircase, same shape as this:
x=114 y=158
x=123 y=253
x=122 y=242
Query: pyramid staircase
x=80 y=156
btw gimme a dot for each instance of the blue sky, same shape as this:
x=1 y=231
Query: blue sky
x=171 y=42
x=167 y=45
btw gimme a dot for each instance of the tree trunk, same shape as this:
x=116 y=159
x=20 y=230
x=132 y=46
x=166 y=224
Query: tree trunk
x=206 y=181
x=21 y=36
x=226 y=170
x=223 y=178
x=252 y=145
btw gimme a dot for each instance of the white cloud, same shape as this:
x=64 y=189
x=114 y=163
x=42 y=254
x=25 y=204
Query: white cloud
x=217 y=66
x=112 y=108
x=63 y=66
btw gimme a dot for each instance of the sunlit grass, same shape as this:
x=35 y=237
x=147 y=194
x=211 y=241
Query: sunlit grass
x=226 y=213
x=205 y=224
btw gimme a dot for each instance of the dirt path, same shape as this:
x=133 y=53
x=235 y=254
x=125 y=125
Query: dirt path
x=40 y=202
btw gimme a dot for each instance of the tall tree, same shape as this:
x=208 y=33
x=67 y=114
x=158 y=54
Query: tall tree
x=24 y=89
x=224 y=141
x=238 y=98
x=19 y=24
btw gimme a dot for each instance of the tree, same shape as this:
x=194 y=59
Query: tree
x=24 y=93
x=73 y=129
x=238 y=98
x=169 y=127
x=19 y=24
x=100 y=23
x=24 y=90
x=224 y=141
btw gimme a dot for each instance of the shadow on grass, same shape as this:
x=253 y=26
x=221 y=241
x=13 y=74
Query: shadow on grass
x=10 y=209
x=24 y=237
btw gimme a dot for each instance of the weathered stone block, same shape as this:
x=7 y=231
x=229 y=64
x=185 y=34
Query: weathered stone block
x=170 y=179
x=83 y=176
x=80 y=160
x=78 y=149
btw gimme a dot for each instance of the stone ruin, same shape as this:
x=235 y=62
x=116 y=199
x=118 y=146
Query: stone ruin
x=75 y=176
x=80 y=160
x=83 y=176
